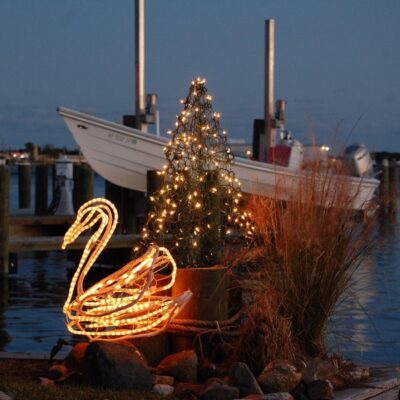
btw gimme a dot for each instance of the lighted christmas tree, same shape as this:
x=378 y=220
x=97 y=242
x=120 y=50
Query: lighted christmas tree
x=198 y=208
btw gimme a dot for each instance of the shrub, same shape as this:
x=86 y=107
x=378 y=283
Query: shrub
x=308 y=247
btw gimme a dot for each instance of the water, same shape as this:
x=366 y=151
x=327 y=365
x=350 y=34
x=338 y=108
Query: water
x=366 y=328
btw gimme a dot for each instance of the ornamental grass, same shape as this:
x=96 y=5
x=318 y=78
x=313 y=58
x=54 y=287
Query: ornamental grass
x=306 y=250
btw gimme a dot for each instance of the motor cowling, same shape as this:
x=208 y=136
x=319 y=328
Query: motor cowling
x=359 y=160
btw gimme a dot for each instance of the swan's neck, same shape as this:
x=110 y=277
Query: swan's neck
x=91 y=252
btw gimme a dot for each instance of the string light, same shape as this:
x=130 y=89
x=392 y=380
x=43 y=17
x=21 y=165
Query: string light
x=205 y=195
x=127 y=303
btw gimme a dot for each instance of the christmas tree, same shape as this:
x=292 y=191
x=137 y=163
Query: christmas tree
x=198 y=208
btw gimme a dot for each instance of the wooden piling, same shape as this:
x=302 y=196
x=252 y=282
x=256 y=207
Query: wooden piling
x=155 y=181
x=4 y=220
x=393 y=179
x=41 y=187
x=24 y=185
x=384 y=186
x=83 y=184
x=114 y=193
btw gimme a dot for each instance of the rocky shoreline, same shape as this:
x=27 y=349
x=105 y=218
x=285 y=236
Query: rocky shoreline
x=184 y=376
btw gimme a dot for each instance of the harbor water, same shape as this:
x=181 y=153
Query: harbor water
x=365 y=329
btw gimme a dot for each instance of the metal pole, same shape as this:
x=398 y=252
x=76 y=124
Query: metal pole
x=139 y=65
x=269 y=131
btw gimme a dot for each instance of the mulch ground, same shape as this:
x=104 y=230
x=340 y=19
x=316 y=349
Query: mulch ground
x=11 y=368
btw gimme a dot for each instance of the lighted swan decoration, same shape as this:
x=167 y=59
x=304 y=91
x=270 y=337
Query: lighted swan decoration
x=127 y=303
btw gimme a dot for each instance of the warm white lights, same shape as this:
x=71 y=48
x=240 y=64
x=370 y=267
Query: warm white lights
x=127 y=303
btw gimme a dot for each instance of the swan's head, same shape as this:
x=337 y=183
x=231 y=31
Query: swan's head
x=88 y=215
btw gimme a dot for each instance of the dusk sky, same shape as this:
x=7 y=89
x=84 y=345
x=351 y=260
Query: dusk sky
x=337 y=64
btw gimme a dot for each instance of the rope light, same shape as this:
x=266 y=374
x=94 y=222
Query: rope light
x=127 y=303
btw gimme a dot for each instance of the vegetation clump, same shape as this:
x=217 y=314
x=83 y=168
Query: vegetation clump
x=197 y=210
x=307 y=249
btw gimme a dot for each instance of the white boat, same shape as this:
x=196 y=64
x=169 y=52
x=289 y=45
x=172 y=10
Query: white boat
x=123 y=155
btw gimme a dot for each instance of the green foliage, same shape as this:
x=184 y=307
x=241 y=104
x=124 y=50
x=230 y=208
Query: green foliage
x=198 y=208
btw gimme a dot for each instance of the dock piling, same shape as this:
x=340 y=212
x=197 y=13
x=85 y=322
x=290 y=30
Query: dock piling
x=24 y=185
x=41 y=187
x=4 y=220
x=83 y=184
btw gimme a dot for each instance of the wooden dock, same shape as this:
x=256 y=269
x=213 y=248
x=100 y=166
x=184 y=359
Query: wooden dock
x=34 y=229
x=20 y=244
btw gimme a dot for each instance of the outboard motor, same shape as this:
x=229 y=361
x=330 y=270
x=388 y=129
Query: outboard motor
x=358 y=159
x=62 y=203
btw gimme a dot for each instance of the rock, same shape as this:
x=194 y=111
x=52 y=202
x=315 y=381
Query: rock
x=278 y=396
x=163 y=389
x=186 y=390
x=270 y=396
x=163 y=380
x=4 y=396
x=320 y=390
x=298 y=395
x=116 y=365
x=206 y=370
x=338 y=381
x=57 y=371
x=356 y=372
x=278 y=376
x=74 y=360
x=182 y=366
x=218 y=389
x=241 y=376
x=155 y=348
x=46 y=382
x=318 y=370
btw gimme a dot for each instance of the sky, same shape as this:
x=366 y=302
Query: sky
x=337 y=65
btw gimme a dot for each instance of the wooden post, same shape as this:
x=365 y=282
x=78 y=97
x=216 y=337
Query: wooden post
x=24 y=185
x=4 y=220
x=83 y=184
x=393 y=178
x=155 y=181
x=209 y=301
x=41 y=189
x=114 y=193
x=384 y=186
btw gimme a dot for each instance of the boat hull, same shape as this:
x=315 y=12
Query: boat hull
x=123 y=155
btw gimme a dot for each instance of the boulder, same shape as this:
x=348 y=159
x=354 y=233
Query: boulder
x=218 y=389
x=187 y=390
x=163 y=389
x=278 y=396
x=182 y=366
x=356 y=372
x=163 y=380
x=270 y=396
x=57 y=372
x=318 y=369
x=279 y=376
x=241 y=376
x=320 y=390
x=206 y=370
x=74 y=360
x=4 y=396
x=116 y=365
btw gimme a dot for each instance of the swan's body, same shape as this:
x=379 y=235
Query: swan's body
x=127 y=303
